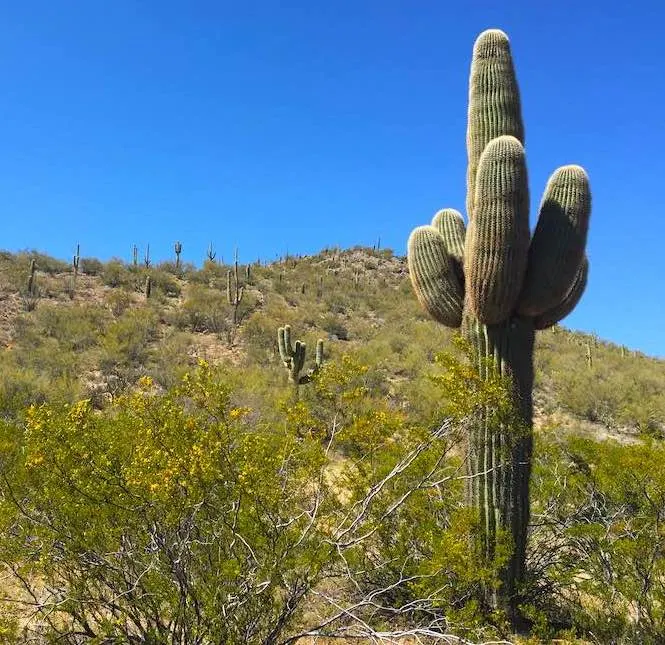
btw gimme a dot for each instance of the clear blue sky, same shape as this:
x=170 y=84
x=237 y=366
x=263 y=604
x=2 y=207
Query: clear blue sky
x=300 y=124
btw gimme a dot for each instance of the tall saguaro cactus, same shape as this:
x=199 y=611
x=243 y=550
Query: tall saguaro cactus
x=499 y=284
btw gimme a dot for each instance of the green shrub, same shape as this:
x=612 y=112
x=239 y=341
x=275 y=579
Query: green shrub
x=203 y=310
x=127 y=340
x=91 y=266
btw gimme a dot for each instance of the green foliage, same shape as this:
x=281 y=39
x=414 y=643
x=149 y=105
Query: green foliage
x=91 y=266
x=379 y=395
x=127 y=341
x=600 y=545
x=116 y=274
x=203 y=310
x=184 y=517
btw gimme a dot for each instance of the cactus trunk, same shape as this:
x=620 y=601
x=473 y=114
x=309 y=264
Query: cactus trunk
x=499 y=454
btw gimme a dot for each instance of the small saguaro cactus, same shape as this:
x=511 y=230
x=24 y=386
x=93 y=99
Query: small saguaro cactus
x=500 y=284
x=234 y=295
x=32 y=283
x=31 y=293
x=293 y=356
x=177 y=247
x=146 y=257
x=211 y=254
x=148 y=287
x=135 y=255
x=76 y=259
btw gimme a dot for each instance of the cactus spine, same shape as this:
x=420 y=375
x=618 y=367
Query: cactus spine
x=293 y=356
x=234 y=295
x=499 y=284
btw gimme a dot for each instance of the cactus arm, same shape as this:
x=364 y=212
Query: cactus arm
x=554 y=315
x=433 y=276
x=497 y=241
x=319 y=353
x=494 y=102
x=557 y=247
x=450 y=224
x=284 y=344
x=287 y=339
x=298 y=359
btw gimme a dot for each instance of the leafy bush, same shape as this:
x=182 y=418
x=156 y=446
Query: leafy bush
x=203 y=310
x=91 y=266
x=126 y=343
x=598 y=552
x=181 y=516
x=117 y=274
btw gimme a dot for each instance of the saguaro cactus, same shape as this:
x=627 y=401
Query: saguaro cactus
x=211 y=254
x=500 y=284
x=234 y=294
x=293 y=356
x=177 y=247
x=32 y=285
x=76 y=260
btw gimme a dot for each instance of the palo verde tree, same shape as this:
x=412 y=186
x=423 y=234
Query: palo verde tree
x=500 y=284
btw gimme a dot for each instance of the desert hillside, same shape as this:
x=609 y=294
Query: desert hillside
x=163 y=481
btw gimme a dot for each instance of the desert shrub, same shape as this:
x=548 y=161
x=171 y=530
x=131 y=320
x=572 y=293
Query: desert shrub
x=212 y=274
x=75 y=327
x=127 y=339
x=92 y=266
x=117 y=301
x=182 y=516
x=171 y=359
x=203 y=310
x=335 y=327
x=260 y=335
x=164 y=282
x=598 y=553
x=117 y=274
x=45 y=263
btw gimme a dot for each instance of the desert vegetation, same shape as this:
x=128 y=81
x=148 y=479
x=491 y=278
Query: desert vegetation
x=347 y=446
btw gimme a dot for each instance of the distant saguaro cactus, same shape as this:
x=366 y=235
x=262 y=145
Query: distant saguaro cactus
x=32 y=284
x=210 y=253
x=146 y=258
x=293 y=356
x=177 y=247
x=234 y=295
x=499 y=284
x=76 y=259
